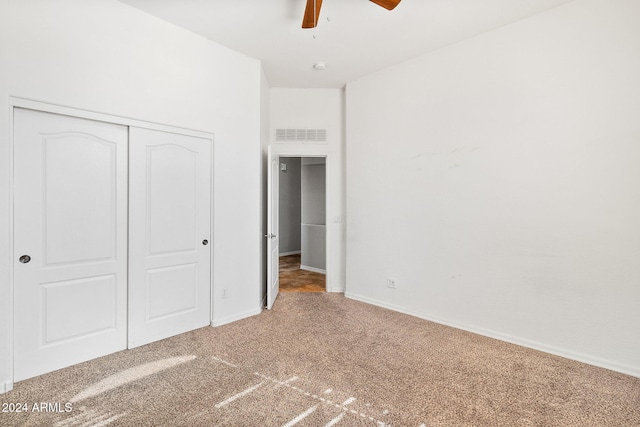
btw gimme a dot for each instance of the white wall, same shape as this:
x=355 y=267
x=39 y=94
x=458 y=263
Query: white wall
x=498 y=182
x=318 y=109
x=104 y=56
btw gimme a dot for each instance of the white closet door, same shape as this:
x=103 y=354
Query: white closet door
x=169 y=234
x=70 y=241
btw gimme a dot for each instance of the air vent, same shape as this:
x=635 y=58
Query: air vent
x=301 y=135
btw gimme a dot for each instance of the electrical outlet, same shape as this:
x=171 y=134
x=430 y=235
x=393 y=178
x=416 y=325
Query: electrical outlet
x=225 y=293
x=391 y=283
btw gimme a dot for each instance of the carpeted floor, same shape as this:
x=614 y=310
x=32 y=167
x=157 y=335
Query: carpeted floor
x=293 y=279
x=320 y=359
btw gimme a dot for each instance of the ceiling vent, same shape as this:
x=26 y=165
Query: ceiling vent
x=301 y=135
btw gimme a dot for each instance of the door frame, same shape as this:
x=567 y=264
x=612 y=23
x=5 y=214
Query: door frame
x=28 y=104
x=315 y=150
x=273 y=228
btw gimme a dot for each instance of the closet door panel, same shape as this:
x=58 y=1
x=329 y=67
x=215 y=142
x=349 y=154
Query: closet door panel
x=70 y=241
x=169 y=233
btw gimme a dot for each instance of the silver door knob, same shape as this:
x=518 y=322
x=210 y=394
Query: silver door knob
x=24 y=259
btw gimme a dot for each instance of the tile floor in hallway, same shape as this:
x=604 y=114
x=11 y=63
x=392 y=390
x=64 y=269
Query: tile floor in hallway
x=293 y=279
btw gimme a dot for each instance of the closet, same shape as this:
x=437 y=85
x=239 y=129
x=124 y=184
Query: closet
x=112 y=228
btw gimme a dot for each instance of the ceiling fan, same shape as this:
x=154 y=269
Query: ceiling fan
x=312 y=11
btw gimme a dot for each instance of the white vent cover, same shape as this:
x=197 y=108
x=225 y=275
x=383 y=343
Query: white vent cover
x=301 y=135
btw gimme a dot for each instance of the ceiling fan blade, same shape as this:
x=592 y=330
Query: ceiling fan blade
x=311 y=14
x=387 y=4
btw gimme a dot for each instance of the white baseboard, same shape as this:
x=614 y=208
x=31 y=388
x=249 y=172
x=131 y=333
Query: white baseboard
x=6 y=387
x=315 y=270
x=236 y=317
x=579 y=357
x=290 y=253
x=336 y=290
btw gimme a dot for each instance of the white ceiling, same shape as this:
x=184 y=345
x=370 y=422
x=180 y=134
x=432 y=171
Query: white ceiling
x=353 y=38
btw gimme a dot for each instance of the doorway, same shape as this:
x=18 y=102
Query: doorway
x=314 y=152
x=302 y=224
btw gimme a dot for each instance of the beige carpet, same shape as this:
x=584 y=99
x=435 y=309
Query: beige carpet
x=320 y=359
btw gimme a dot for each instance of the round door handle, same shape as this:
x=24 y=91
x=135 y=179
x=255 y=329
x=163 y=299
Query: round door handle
x=205 y=242
x=24 y=259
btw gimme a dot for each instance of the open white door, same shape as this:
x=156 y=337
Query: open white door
x=70 y=243
x=273 y=247
x=169 y=234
